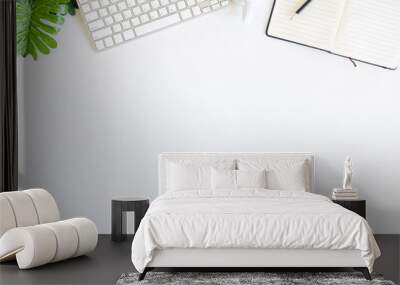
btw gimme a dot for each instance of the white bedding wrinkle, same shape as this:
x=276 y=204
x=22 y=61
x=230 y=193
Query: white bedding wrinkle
x=250 y=218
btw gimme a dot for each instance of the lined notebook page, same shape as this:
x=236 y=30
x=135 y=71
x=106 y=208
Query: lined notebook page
x=315 y=26
x=370 y=31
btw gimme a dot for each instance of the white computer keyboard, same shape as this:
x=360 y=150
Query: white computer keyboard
x=113 y=22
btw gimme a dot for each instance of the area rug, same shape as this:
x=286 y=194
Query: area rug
x=254 y=278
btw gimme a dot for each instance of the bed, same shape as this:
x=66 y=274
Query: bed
x=247 y=210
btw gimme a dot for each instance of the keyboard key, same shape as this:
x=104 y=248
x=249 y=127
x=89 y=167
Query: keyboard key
x=158 y=24
x=155 y=4
x=164 y=2
x=127 y=14
x=146 y=7
x=101 y=33
x=224 y=3
x=163 y=11
x=144 y=18
x=117 y=28
x=204 y=4
x=104 y=3
x=186 y=14
x=112 y=9
x=196 y=10
x=126 y=25
x=114 y=1
x=181 y=5
x=95 y=25
x=108 y=20
x=190 y=2
x=172 y=8
x=109 y=42
x=153 y=15
x=85 y=8
x=122 y=6
x=118 y=38
x=103 y=12
x=99 y=45
x=135 y=21
x=128 y=35
x=131 y=3
x=95 y=5
x=206 y=9
x=92 y=16
x=216 y=6
x=136 y=11
x=118 y=17
x=141 y=1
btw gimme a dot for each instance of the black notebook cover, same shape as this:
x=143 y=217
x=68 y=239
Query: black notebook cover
x=328 y=51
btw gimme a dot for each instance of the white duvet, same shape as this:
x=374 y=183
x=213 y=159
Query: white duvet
x=250 y=219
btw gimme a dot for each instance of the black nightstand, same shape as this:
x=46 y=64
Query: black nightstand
x=119 y=207
x=357 y=206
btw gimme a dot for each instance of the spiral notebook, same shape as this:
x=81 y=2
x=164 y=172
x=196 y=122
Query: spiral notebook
x=363 y=30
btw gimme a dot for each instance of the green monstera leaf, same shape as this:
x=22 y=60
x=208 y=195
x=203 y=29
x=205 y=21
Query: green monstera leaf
x=71 y=7
x=38 y=21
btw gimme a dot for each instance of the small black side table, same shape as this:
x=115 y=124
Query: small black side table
x=119 y=207
x=357 y=206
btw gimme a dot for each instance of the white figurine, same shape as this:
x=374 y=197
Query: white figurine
x=348 y=173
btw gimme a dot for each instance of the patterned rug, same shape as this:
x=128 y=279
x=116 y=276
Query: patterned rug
x=254 y=278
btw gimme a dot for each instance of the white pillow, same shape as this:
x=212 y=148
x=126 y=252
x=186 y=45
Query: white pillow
x=223 y=179
x=251 y=178
x=188 y=177
x=282 y=174
x=237 y=179
x=288 y=179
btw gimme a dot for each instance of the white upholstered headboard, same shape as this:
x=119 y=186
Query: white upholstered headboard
x=164 y=158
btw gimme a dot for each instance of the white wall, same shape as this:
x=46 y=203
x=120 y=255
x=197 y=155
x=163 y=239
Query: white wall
x=95 y=122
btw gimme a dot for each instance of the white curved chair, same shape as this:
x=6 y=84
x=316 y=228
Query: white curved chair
x=31 y=230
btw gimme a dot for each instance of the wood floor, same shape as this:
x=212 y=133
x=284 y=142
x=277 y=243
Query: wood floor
x=103 y=266
x=110 y=260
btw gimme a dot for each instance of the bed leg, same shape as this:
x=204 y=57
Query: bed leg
x=142 y=275
x=365 y=272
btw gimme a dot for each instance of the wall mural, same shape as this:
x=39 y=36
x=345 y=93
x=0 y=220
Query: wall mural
x=38 y=21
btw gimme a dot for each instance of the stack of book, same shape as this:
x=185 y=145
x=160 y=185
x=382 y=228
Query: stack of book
x=344 y=194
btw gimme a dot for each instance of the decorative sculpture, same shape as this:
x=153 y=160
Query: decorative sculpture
x=348 y=173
